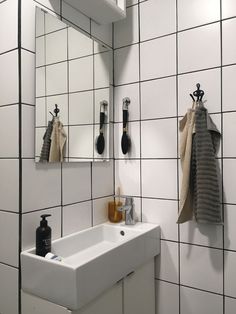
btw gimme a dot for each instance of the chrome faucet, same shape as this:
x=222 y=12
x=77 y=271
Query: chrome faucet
x=128 y=208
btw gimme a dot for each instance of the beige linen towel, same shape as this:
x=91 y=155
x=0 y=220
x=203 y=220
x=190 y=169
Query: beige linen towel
x=186 y=129
x=58 y=140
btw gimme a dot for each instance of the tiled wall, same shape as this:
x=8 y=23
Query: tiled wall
x=74 y=193
x=162 y=50
x=74 y=72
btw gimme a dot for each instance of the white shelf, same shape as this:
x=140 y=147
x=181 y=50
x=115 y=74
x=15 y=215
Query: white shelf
x=101 y=11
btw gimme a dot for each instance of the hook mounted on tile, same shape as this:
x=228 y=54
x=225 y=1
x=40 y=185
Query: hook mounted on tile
x=56 y=111
x=197 y=93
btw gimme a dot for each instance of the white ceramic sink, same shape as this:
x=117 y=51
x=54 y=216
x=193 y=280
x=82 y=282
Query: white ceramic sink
x=93 y=260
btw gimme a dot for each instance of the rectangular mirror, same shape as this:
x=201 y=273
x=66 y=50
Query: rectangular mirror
x=73 y=93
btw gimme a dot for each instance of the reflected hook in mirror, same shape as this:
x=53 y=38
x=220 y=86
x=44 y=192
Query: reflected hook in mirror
x=100 y=143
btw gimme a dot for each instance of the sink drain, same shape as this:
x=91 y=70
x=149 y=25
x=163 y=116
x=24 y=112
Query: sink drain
x=122 y=233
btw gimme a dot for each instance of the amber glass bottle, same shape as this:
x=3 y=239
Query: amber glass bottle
x=113 y=214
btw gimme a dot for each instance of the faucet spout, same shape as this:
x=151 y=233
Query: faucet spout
x=128 y=208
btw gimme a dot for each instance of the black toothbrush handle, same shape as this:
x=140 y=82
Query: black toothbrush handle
x=102 y=120
x=125 y=118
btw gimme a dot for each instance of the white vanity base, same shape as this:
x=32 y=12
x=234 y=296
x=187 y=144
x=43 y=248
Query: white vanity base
x=136 y=293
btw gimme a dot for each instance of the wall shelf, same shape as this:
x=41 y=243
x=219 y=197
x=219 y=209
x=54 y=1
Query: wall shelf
x=101 y=11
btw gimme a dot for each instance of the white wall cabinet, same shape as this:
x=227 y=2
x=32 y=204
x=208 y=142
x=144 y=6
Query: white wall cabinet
x=134 y=294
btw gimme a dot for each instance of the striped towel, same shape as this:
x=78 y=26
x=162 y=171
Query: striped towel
x=204 y=181
x=44 y=156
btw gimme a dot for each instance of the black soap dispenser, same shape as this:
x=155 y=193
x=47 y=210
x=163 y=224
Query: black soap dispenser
x=43 y=237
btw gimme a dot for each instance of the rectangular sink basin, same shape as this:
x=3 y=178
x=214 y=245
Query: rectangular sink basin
x=93 y=260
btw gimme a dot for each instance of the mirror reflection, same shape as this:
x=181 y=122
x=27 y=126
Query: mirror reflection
x=73 y=93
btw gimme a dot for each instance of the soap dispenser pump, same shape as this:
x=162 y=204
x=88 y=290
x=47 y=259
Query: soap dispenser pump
x=43 y=237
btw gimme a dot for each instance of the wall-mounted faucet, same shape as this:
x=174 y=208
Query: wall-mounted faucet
x=128 y=208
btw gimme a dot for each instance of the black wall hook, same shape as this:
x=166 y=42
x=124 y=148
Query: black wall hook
x=56 y=111
x=198 y=93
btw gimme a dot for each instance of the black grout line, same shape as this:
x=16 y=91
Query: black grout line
x=177 y=152
x=9 y=265
x=222 y=151
x=20 y=151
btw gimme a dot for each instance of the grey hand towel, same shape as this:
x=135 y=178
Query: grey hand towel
x=44 y=156
x=204 y=171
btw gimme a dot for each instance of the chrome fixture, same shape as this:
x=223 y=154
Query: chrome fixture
x=128 y=208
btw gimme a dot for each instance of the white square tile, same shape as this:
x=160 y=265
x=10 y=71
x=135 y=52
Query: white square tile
x=133 y=133
x=40 y=82
x=77 y=217
x=43 y=182
x=102 y=62
x=228 y=8
x=31 y=221
x=158 y=57
x=76 y=18
x=28 y=20
x=201 y=234
x=9 y=89
x=28 y=131
x=62 y=102
x=56 y=78
x=230 y=283
x=40 y=112
x=9 y=189
x=198 y=264
x=40 y=58
x=164 y=293
x=229 y=229
x=9 y=230
x=157 y=18
x=158 y=98
x=81 y=141
x=9 y=125
x=9 y=25
x=162 y=134
x=9 y=294
x=39 y=22
x=126 y=65
x=121 y=92
x=229 y=131
x=228 y=41
x=131 y=2
x=77 y=81
x=230 y=305
x=210 y=81
x=188 y=16
x=167 y=262
x=152 y=171
x=127 y=177
x=163 y=213
x=194 y=302
x=81 y=108
x=102 y=171
x=76 y=182
x=56 y=46
x=192 y=58
x=28 y=77
x=126 y=31
x=102 y=32
x=53 y=5
x=228 y=88
x=100 y=210
x=53 y=23
x=229 y=179
x=79 y=44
